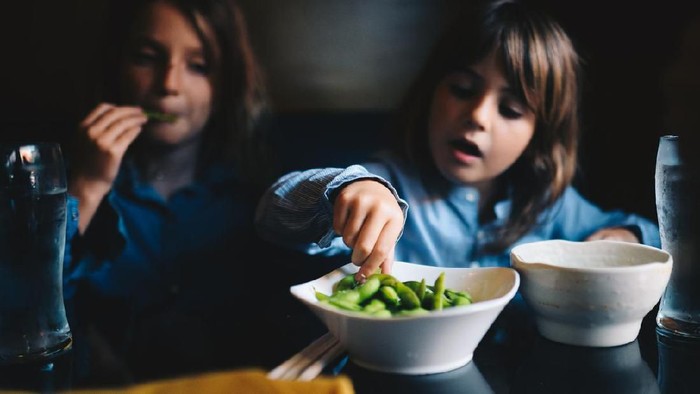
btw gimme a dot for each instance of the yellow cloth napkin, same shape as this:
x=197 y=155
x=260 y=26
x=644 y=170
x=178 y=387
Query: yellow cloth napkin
x=248 y=381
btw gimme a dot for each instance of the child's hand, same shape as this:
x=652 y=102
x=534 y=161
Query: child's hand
x=105 y=135
x=614 y=234
x=368 y=217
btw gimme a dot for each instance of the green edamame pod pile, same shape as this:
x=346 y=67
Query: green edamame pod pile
x=383 y=295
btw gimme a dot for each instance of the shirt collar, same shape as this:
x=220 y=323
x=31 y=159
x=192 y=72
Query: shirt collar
x=460 y=194
x=214 y=175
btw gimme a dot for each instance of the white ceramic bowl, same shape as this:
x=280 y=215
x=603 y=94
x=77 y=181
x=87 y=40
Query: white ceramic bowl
x=435 y=342
x=591 y=293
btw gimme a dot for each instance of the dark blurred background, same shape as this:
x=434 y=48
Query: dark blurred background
x=337 y=68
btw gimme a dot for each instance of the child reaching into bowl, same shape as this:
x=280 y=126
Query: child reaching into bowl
x=484 y=157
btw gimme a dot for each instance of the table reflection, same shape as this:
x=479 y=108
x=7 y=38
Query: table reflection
x=557 y=368
x=54 y=374
x=512 y=358
x=679 y=364
x=466 y=379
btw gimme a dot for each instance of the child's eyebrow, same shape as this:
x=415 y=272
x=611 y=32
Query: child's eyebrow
x=155 y=44
x=196 y=52
x=146 y=41
x=465 y=70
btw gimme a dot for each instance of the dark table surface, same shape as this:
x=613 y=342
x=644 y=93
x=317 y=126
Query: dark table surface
x=511 y=358
x=514 y=358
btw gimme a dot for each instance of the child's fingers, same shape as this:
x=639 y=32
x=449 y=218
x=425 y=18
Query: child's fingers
x=122 y=130
x=95 y=114
x=382 y=253
x=366 y=241
x=114 y=121
x=376 y=237
x=352 y=228
x=388 y=264
x=122 y=142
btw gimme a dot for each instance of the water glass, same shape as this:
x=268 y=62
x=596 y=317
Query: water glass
x=33 y=324
x=678 y=212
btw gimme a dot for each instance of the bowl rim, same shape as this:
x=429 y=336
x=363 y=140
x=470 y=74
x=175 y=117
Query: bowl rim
x=462 y=310
x=518 y=262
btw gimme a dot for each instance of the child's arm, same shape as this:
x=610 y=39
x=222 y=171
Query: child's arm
x=316 y=206
x=105 y=135
x=578 y=219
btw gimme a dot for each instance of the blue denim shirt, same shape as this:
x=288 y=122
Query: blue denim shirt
x=296 y=211
x=161 y=278
x=140 y=246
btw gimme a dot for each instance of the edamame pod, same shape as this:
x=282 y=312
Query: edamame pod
x=344 y=304
x=388 y=280
x=454 y=293
x=413 y=285
x=439 y=291
x=428 y=301
x=409 y=299
x=383 y=295
x=347 y=295
x=412 y=312
x=367 y=289
x=382 y=313
x=459 y=300
x=346 y=283
x=374 y=305
x=389 y=295
x=321 y=296
x=421 y=289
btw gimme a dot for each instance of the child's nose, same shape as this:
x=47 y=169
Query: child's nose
x=478 y=112
x=172 y=79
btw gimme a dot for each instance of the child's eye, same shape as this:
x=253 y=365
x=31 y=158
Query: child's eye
x=143 y=57
x=510 y=112
x=201 y=68
x=462 y=92
x=512 y=108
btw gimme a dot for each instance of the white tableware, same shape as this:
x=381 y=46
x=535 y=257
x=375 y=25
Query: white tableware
x=591 y=293
x=420 y=344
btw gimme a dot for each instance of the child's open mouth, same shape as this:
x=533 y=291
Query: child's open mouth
x=466 y=147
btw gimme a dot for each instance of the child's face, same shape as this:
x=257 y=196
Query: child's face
x=166 y=71
x=478 y=127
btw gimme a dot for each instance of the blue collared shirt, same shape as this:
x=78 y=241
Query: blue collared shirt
x=166 y=282
x=144 y=249
x=444 y=232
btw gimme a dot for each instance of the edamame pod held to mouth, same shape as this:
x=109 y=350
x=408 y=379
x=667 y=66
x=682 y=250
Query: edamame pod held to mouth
x=160 y=116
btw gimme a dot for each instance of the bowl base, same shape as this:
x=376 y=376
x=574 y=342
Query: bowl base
x=594 y=336
x=417 y=370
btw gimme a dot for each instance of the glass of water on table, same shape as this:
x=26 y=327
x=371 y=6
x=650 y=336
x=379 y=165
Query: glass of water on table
x=678 y=211
x=33 y=192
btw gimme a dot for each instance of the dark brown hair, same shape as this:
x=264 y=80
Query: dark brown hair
x=233 y=132
x=542 y=64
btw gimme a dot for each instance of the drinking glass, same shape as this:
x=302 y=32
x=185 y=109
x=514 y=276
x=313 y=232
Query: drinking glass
x=33 y=324
x=677 y=210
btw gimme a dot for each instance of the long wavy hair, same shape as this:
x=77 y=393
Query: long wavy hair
x=542 y=65
x=234 y=132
